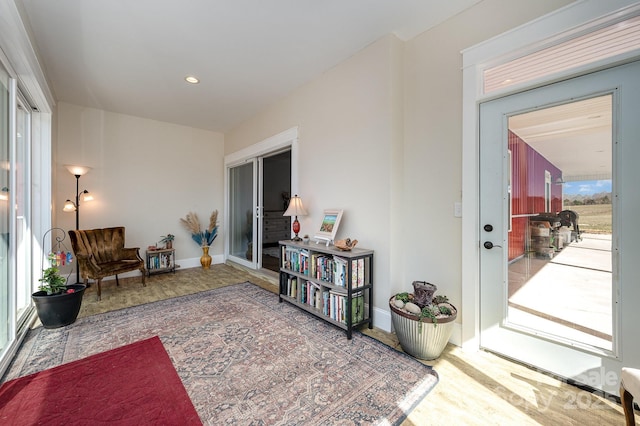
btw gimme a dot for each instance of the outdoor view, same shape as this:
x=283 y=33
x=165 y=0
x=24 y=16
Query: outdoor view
x=592 y=201
x=560 y=236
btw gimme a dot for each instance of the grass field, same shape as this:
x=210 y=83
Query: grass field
x=595 y=218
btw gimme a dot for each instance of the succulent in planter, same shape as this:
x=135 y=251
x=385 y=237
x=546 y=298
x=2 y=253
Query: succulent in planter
x=410 y=310
x=438 y=307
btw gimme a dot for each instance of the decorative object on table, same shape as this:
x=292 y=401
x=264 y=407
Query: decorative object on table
x=329 y=226
x=346 y=244
x=70 y=206
x=167 y=240
x=205 y=237
x=57 y=303
x=306 y=239
x=423 y=323
x=295 y=209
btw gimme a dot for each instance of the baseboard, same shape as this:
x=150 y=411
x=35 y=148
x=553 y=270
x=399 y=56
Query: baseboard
x=193 y=262
x=382 y=320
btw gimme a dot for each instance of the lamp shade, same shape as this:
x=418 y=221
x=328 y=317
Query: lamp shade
x=295 y=207
x=86 y=196
x=77 y=170
x=69 y=206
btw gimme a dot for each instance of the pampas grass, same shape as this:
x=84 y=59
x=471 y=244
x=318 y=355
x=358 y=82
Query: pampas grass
x=192 y=224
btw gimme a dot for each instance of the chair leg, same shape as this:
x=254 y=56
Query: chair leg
x=99 y=282
x=627 y=405
x=144 y=277
x=117 y=282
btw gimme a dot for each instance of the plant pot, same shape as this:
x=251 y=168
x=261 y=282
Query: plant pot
x=58 y=310
x=421 y=339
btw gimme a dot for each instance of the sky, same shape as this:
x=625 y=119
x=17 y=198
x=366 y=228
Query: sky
x=587 y=187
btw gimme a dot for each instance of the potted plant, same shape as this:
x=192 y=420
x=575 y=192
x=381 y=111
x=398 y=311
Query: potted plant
x=204 y=238
x=57 y=303
x=423 y=323
x=167 y=240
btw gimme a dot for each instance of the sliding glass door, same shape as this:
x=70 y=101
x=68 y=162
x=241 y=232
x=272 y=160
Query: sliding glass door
x=22 y=168
x=242 y=213
x=5 y=237
x=16 y=236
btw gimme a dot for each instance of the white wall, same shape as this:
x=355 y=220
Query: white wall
x=433 y=135
x=146 y=175
x=380 y=136
x=347 y=130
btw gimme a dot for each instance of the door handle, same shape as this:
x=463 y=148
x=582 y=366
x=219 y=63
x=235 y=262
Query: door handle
x=489 y=245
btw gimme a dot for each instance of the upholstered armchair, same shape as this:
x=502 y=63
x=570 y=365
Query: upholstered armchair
x=101 y=253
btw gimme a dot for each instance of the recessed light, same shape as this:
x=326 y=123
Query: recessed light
x=191 y=79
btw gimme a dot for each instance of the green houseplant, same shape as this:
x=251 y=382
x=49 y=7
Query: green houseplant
x=57 y=303
x=423 y=322
x=167 y=240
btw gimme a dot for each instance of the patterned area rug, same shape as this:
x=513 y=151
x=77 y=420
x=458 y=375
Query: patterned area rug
x=246 y=359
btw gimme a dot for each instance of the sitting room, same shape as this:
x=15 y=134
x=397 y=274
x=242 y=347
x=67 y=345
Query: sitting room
x=172 y=155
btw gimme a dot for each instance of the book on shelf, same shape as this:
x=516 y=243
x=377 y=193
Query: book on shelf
x=357 y=272
x=292 y=287
x=340 y=273
x=295 y=259
x=337 y=307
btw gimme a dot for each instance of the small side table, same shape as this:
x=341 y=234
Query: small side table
x=161 y=261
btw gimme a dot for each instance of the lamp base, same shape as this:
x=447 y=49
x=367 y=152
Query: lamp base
x=295 y=226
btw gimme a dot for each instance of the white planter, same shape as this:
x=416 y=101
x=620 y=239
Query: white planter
x=421 y=339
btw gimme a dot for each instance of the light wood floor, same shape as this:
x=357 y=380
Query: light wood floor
x=475 y=388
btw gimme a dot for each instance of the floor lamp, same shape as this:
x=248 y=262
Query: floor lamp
x=70 y=206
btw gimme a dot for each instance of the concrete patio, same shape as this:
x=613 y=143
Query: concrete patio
x=568 y=296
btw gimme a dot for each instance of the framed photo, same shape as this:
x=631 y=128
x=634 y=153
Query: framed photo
x=329 y=226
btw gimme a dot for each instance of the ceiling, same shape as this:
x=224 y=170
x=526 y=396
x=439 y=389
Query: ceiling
x=576 y=137
x=131 y=57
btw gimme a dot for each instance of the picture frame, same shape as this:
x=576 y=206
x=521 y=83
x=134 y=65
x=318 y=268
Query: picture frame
x=329 y=226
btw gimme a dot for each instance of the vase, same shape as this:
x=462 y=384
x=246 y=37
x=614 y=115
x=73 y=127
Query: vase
x=168 y=245
x=205 y=260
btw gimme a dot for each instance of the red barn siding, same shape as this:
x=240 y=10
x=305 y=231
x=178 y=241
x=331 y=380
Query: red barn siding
x=527 y=190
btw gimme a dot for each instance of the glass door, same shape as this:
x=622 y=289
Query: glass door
x=550 y=163
x=243 y=214
x=6 y=290
x=24 y=279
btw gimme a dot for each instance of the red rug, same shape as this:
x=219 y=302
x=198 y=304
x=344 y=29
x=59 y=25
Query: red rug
x=131 y=385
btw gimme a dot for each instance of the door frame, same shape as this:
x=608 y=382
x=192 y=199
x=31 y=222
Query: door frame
x=589 y=14
x=286 y=139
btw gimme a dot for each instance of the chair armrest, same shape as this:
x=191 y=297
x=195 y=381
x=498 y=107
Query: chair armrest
x=131 y=253
x=88 y=262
